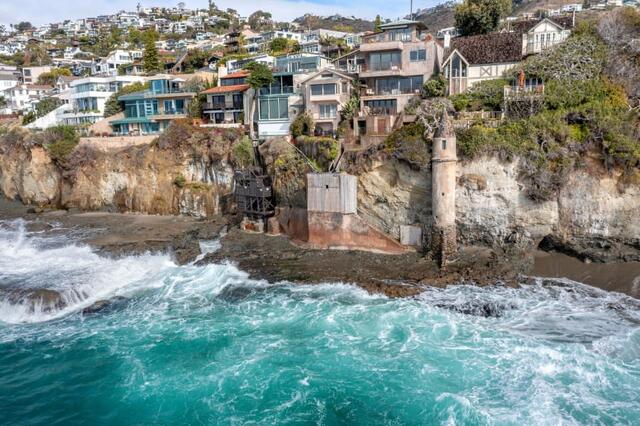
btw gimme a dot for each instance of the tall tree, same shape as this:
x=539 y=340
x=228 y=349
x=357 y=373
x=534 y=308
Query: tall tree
x=261 y=76
x=150 y=57
x=481 y=16
x=377 y=25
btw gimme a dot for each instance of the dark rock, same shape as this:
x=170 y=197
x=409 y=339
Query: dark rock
x=104 y=306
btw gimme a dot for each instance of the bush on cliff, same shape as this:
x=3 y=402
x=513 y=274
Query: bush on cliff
x=243 y=154
x=60 y=141
x=322 y=150
x=409 y=144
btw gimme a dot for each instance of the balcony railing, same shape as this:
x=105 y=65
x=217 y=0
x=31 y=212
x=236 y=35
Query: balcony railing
x=219 y=106
x=516 y=91
x=388 y=92
x=276 y=90
x=381 y=66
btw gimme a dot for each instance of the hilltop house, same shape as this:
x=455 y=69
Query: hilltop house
x=398 y=61
x=109 y=64
x=486 y=57
x=325 y=93
x=228 y=104
x=152 y=111
x=86 y=97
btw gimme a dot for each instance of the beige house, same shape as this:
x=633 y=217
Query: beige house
x=326 y=92
x=397 y=62
x=228 y=105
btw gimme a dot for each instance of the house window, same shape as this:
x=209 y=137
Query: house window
x=323 y=89
x=274 y=109
x=444 y=145
x=418 y=55
x=328 y=110
x=385 y=61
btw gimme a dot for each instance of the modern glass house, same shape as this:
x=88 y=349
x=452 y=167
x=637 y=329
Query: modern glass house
x=152 y=111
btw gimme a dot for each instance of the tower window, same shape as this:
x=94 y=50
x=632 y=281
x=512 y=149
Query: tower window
x=444 y=144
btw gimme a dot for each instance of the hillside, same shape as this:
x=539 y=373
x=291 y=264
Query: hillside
x=334 y=22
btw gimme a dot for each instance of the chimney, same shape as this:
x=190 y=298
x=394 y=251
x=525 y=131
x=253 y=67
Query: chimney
x=447 y=40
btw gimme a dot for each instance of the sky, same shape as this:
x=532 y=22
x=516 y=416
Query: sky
x=40 y=12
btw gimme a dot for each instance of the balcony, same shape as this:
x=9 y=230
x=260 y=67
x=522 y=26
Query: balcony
x=219 y=106
x=372 y=45
x=511 y=92
x=364 y=92
x=380 y=69
x=276 y=91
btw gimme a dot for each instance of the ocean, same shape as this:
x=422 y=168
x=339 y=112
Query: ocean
x=208 y=345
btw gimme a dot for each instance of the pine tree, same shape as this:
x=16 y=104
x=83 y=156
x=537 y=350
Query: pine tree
x=151 y=59
x=377 y=26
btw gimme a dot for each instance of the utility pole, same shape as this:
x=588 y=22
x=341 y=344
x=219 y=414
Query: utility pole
x=411 y=11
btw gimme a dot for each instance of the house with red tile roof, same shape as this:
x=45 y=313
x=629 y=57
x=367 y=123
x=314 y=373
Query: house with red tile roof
x=228 y=104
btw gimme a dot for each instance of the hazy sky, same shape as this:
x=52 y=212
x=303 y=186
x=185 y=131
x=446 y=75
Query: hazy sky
x=43 y=11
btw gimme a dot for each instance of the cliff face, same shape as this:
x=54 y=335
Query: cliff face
x=592 y=217
x=29 y=174
x=149 y=180
x=188 y=179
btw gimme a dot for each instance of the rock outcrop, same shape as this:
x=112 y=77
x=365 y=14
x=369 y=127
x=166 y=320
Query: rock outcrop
x=191 y=175
x=591 y=217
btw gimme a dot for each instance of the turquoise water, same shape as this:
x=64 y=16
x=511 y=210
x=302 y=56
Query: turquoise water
x=194 y=345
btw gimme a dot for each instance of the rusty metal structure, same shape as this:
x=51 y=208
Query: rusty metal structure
x=254 y=193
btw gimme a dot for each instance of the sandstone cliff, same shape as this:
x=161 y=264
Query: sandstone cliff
x=593 y=216
x=190 y=177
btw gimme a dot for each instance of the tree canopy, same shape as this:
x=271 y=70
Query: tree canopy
x=151 y=58
x=52 y=76
x=480 y=16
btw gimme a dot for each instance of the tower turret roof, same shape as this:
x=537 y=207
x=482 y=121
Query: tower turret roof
x=445 y=129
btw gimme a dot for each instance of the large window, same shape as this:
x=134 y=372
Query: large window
x=274 y=109
x=328 y=110
x=382 y=107
x=400 y=35
x=323 y=89
x=398 y=85
x=232 y=81
x=384 y=61
x=418 y=55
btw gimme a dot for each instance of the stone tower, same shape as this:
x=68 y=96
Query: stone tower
x=443 y=178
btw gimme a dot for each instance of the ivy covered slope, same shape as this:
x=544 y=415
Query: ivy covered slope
x=589 y=108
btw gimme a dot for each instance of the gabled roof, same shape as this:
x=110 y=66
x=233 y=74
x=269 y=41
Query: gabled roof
x=325 y=70
x=227 y=89
x=494 y=48
x=562 y=22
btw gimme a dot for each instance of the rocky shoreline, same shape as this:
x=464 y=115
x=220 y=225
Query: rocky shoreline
x=276 y=258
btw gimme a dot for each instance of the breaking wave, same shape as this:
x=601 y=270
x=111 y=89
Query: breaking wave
x=206 y=344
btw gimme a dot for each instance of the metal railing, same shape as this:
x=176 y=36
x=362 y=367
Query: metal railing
x=381 y=66
x=277 y=90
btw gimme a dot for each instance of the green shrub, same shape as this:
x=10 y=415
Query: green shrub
x=60 y=141
x=243 y=154
x=435 y=87
x=408 y=144
x=303 y=125
x=180 y=181
x=320 y=150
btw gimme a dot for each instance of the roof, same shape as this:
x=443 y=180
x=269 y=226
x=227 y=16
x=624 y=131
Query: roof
x=326 y=70
x=444 y=130
x=227 y=89
x=564 y=22
x=401 y=23
x=494 y=48
x=237 y=74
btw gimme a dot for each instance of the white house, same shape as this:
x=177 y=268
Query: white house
x=86 y=97
x=109 y=65
x=24 y=97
